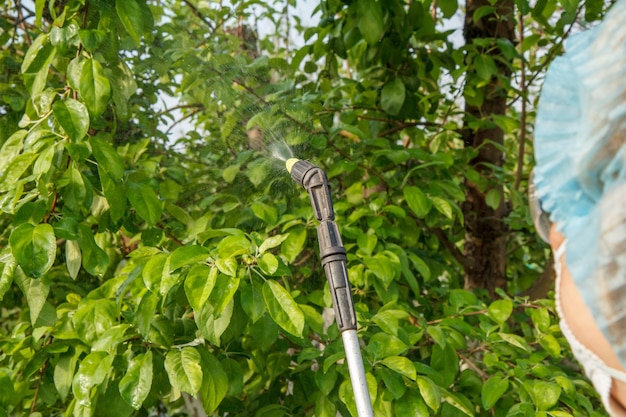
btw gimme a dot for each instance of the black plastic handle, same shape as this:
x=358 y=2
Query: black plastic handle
x=332 y=251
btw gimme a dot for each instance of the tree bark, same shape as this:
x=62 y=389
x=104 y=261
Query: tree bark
x=485 y=230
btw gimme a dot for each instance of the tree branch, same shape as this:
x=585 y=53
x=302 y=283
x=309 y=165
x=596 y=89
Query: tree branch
x=180 y=106
x=199 y=15
x=522 y=139
x=549 y=56
x=21 y=22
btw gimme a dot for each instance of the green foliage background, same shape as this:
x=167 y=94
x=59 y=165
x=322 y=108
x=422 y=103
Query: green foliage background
x=140 y=268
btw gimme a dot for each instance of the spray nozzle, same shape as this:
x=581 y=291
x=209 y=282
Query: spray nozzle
x=332 y=251
x=314 y=180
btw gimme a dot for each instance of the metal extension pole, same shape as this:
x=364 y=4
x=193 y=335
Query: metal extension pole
x=333 y=256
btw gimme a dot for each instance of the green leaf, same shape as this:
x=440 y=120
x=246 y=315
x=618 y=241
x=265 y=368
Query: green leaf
x=388 y=320
x=223 y=292
x=401 y=365
x=492 y=199
x=12 y=147
x=199 y=284
x=34 y=248
x=114 y=193
x=268 y=263
x=137 y=382
x=7 y=269
x=111 y=338
x=73 y=257
x=212 y=324
x=36 y=64
x=73 y=117
x=326 y=380
x=271 y=242
x=393 y=381
x=95 y=260
x=39 y=6
x=123 y=86
x=411 y=405
x=169 y=279
x=545 y=394
x=91 y=39
x=64 y=373
x=108 y=158
x=382 y=267
x=500 y=310
x=459 y=401
x=93 y=318
x=383 y=345
x=516 y=341
x=64 y=37
x=370 y=20
x=325 y=407
x=130 y=14
x=186 y=255
x=184 y=369
x=437 y=334
x=233 y=245
x=36 y=292
x=430 y=392
x=153 y=271
x=551 y=345
x=265 y=212
x=569 y=6
x=540 y=318
x=392 y=96
x=43 y=164
x=448 y=7
x=230 y=173
x=75 y=192
x=145 y=314
x=446 y=362
x=17 y=167
x=346 y=393
x=492 y=390
x=282 y=308
x=214 y=383
x=485 y=67
x=94 y=87
x=143 y=198
x=417 y=201
x=483 y=11
x=442 y=206
x=293 y=244
x=367 y=243
x=92 y=371
x=421 y=266
x=252 y=301
x=227 y=266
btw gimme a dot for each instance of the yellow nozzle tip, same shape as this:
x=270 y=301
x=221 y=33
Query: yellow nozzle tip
x=290 y=163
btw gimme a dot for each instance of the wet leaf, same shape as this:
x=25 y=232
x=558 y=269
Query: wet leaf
x=73 y=117
x=392 y=96
x=184 y=369
x=370 y=20
x=94 y=87
x=34 y=248
x=417 y=201
x=283 y=309
x=137 y=382
x=492 y=390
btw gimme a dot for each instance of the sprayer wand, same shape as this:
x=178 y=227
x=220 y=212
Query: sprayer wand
x=333 y=257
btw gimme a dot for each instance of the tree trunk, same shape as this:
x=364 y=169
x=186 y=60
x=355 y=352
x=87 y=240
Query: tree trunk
x=485 y=230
